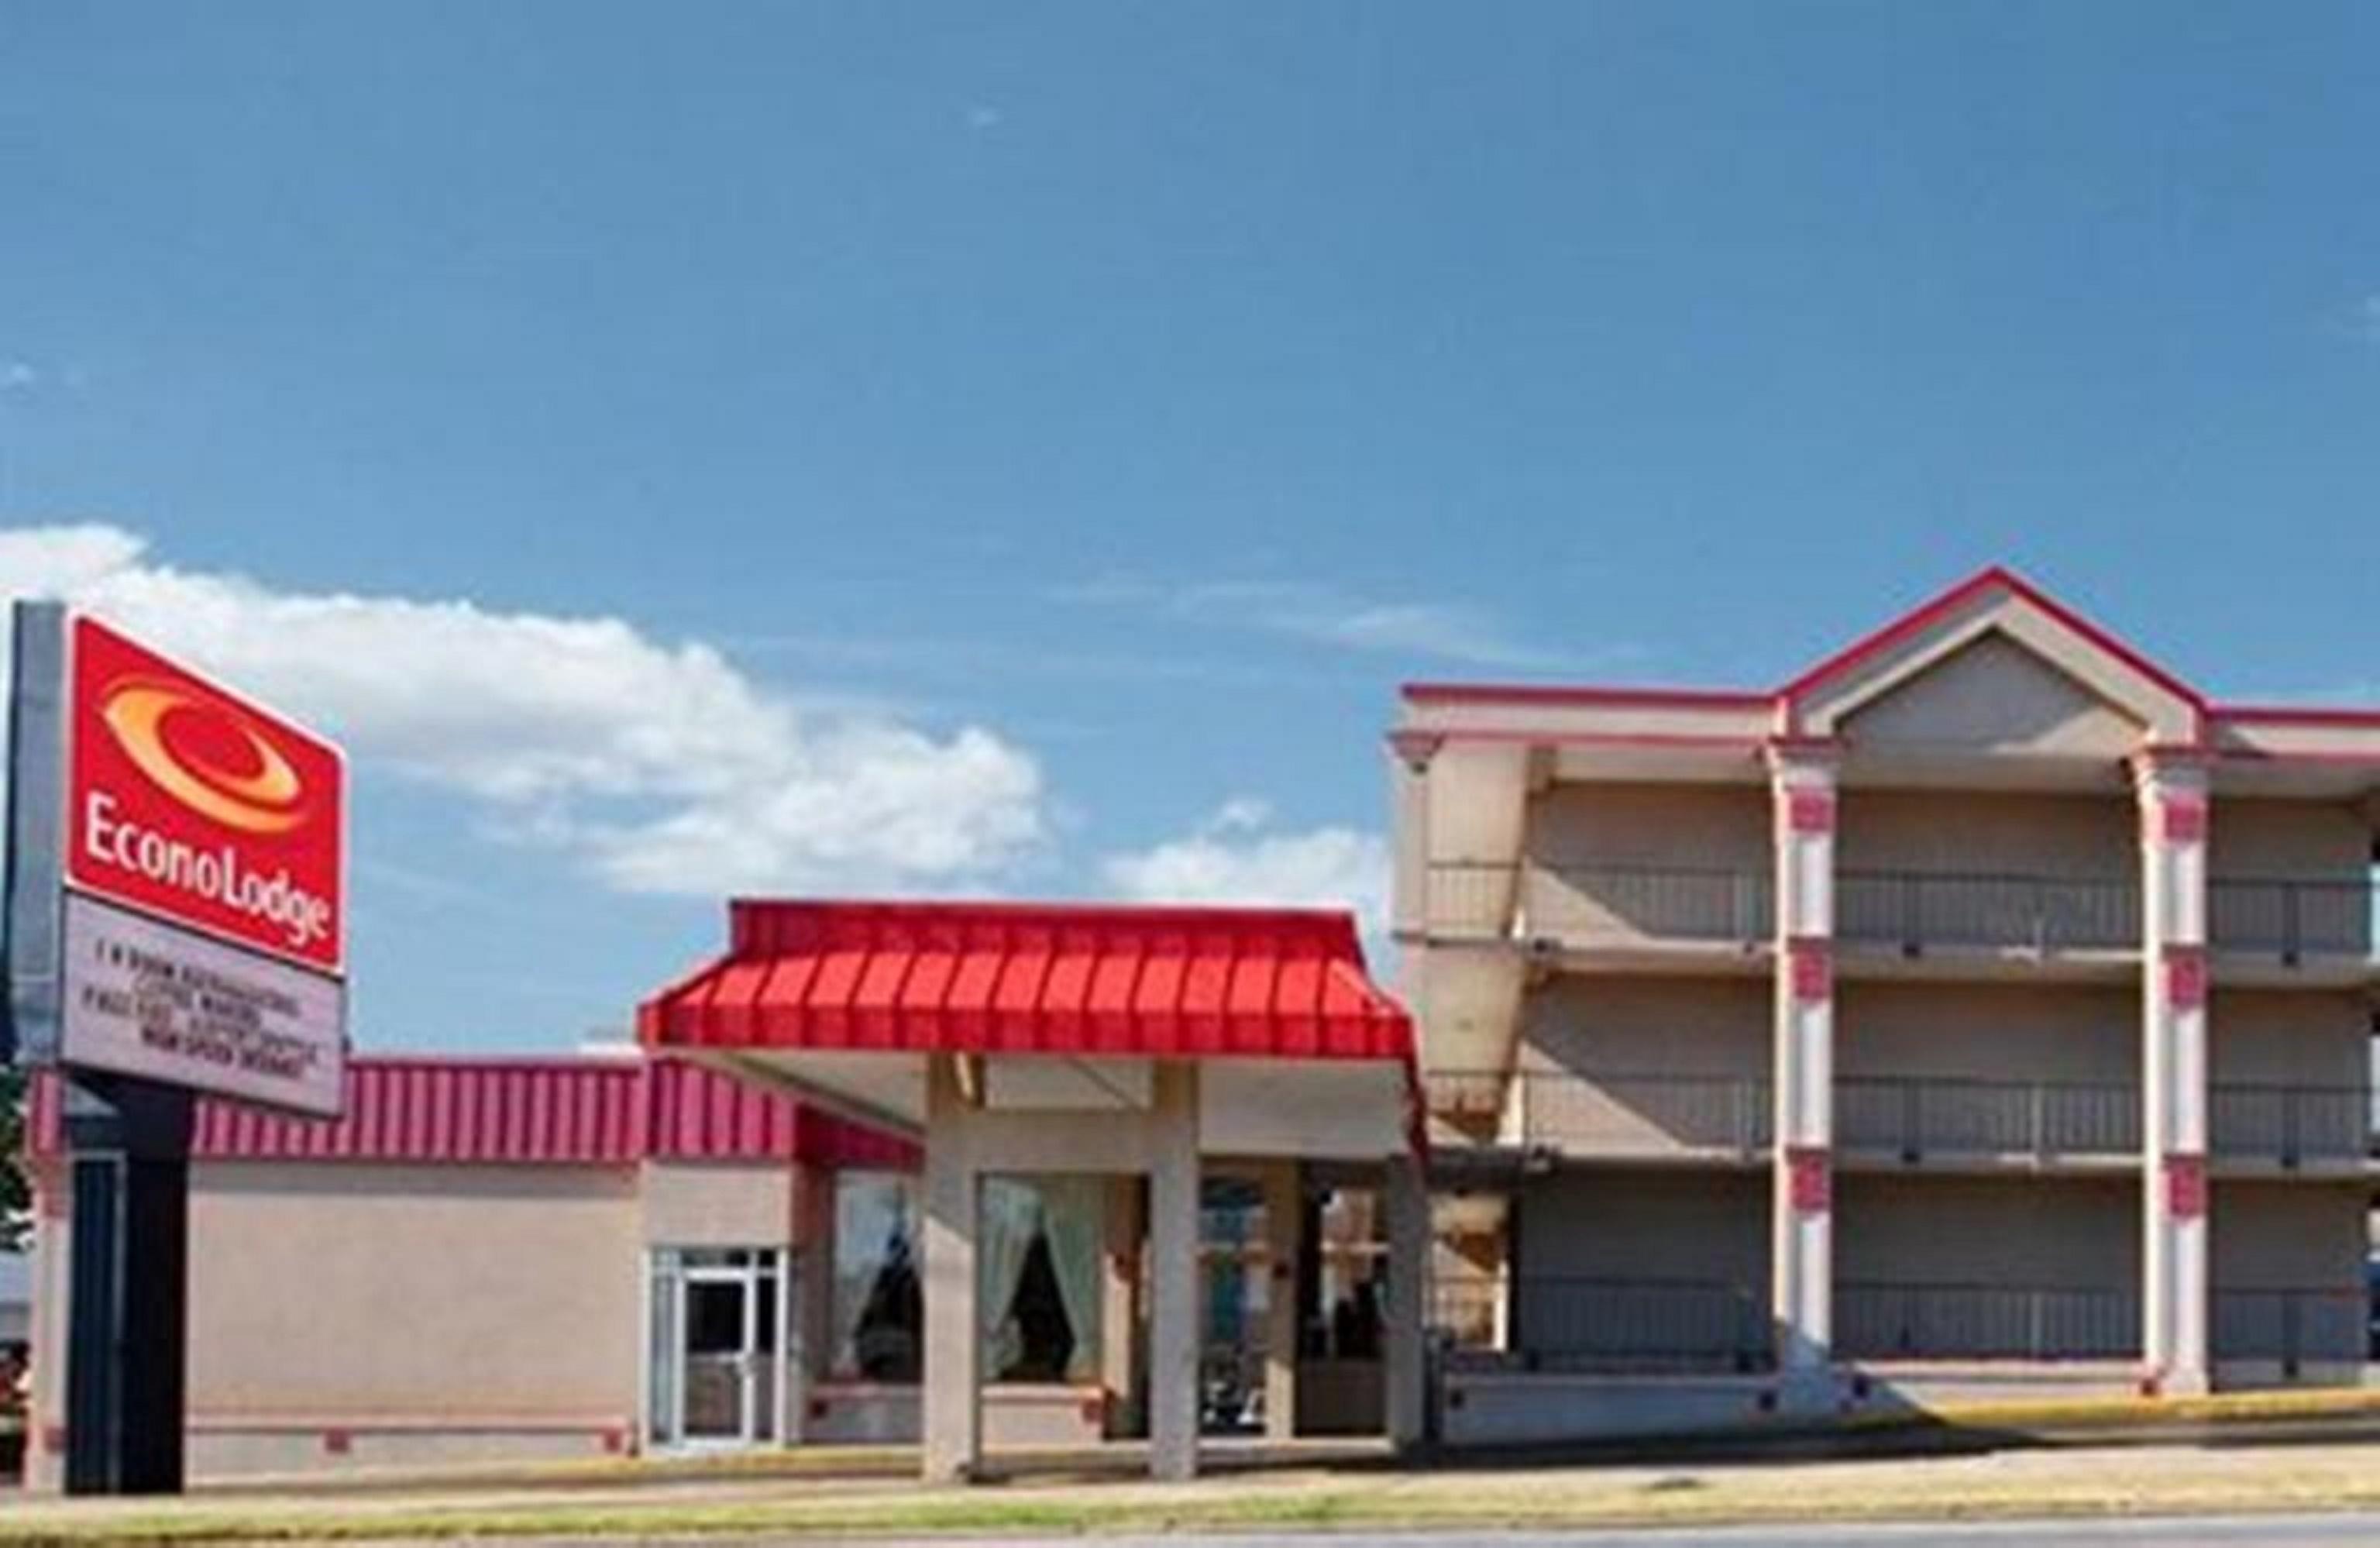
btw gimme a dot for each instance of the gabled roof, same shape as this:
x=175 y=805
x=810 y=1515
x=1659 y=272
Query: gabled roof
x=1995 y=602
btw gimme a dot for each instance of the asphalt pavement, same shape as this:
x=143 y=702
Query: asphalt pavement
x=2361 y=1529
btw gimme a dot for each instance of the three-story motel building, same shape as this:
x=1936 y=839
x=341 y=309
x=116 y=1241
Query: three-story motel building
x=1983 y=1012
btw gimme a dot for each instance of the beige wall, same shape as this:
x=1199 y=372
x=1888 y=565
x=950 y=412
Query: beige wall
x=1636 y=1225
x=2000 y=1032
x=1643 y=1026
x=453 y=1291
x=2289 y=1037
x=718 y=1204
x=2288 y=1235
x=1999 y=832
x=2250 y=837
x=1724 y=826
x=2017 y=1232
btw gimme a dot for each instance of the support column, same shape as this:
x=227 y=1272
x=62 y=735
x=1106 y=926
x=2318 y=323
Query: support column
x=1120 y=1355
x=1802 y=1214
x=2172 y=788
x=1406 y=1362
x=1283 y=1217
x=813 y=1285
x=1174 y=1277
x=951 y=1406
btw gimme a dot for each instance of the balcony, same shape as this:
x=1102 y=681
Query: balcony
x=2295 y=1327
x=1622 y=1116
x=1577 y=1323
x=1918 y=911
x=2291 y=919
x=1882 y=1320
x=2038 y=1123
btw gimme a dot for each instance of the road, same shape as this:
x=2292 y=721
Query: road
x=2231 y=1532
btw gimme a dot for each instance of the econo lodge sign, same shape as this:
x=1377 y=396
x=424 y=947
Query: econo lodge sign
x=199 y=808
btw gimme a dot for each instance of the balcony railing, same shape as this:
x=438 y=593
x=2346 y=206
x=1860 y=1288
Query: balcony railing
x=1567 y=1322
x=1592 y=903
x=2291 y=918
x=1919 y=910
x=2292 y=1125
x=1882 y=1320
x=1613 y=1115
x=2040 y=1120
x=2295 y=1326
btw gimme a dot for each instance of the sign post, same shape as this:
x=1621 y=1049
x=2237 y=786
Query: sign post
x=175 y=925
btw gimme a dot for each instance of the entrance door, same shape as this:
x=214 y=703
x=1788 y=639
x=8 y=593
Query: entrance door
x=718 y=1326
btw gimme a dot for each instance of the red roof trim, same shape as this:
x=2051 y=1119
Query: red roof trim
x=526 y=1110
x=2299 y=714
x=1557 y=693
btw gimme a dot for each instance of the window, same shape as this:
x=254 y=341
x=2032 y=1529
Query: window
x=879 y=1309
x=1038 y=1253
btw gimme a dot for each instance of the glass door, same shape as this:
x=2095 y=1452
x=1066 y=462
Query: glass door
x=717 y=1324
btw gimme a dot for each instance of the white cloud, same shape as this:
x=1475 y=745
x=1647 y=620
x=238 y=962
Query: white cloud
x=1305 y=610
x=18 y=375
x=1238 y=856
x=662 y=767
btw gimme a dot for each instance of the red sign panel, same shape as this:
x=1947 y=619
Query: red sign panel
x=196 y=806
x=2185 y=1185
x=1809 y=811
x=1809 y=1180
x=1812 y=964
x=2185 y=819
x=2185 y=978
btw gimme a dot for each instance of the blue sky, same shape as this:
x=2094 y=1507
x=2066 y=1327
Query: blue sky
x=1019 y=449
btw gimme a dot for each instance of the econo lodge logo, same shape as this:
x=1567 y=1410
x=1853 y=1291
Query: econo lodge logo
x=192 y=804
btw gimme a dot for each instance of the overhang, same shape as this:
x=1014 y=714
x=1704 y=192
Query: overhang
x=1060 y=1007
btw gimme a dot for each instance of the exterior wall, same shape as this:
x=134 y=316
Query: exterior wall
x=1654 y=824
x=1994 y=696
x=2289 y=1037
x=2255 y=837
x=718 y=1203
x=1646 y=1026
x=1635 y=1224
x=2080 y=1232
x=2001 y=831
x=2291 y=1305
x=2002 y=1031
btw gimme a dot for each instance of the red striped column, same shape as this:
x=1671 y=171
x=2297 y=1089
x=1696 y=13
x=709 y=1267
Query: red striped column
x=2172 y=789
x=1801 y=1259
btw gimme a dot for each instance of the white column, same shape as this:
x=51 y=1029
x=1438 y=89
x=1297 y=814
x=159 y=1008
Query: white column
x=1173 y=1278
x=1119 y=1310
x=1411 y=753
x=952 y=1403
x=812 y=1281
x=2172 y=788
x=1802 y=1215
x=1405 y=1362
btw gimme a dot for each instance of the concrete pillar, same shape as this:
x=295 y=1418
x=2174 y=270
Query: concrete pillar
x=1120 y=1361
x=813 y=1290
x=1407 y=1372
x=952 y=1407
x=1801 y=1216
x=2172 y=788
x=1174 y=1277
x=1284 y=1215
x=1409 y=908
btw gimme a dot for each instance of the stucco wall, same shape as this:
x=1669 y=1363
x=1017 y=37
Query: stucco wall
x=1999 y=1031
x=1637 y=1026
x=1635 y=1224
x=2021 y=1232
x=1654 y=824
x=2291 y=1037
x=447 y=1291
x=2286 y=1236
x=1994 y=695
x=718 y=1204
x=2009 y=832
x=2255 y=837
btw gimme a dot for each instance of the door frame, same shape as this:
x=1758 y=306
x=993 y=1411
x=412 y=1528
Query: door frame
x=759 y=1423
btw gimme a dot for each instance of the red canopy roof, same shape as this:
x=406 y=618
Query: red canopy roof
x=1079 y=980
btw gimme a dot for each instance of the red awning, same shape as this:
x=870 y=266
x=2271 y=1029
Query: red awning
x=998 y=977
x=1066 y=1004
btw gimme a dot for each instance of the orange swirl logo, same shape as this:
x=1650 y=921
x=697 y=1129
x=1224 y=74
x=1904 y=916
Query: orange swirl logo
x=260 y=799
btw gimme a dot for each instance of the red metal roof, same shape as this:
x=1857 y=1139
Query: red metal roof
x=1034 y=978
x=592 y=1110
